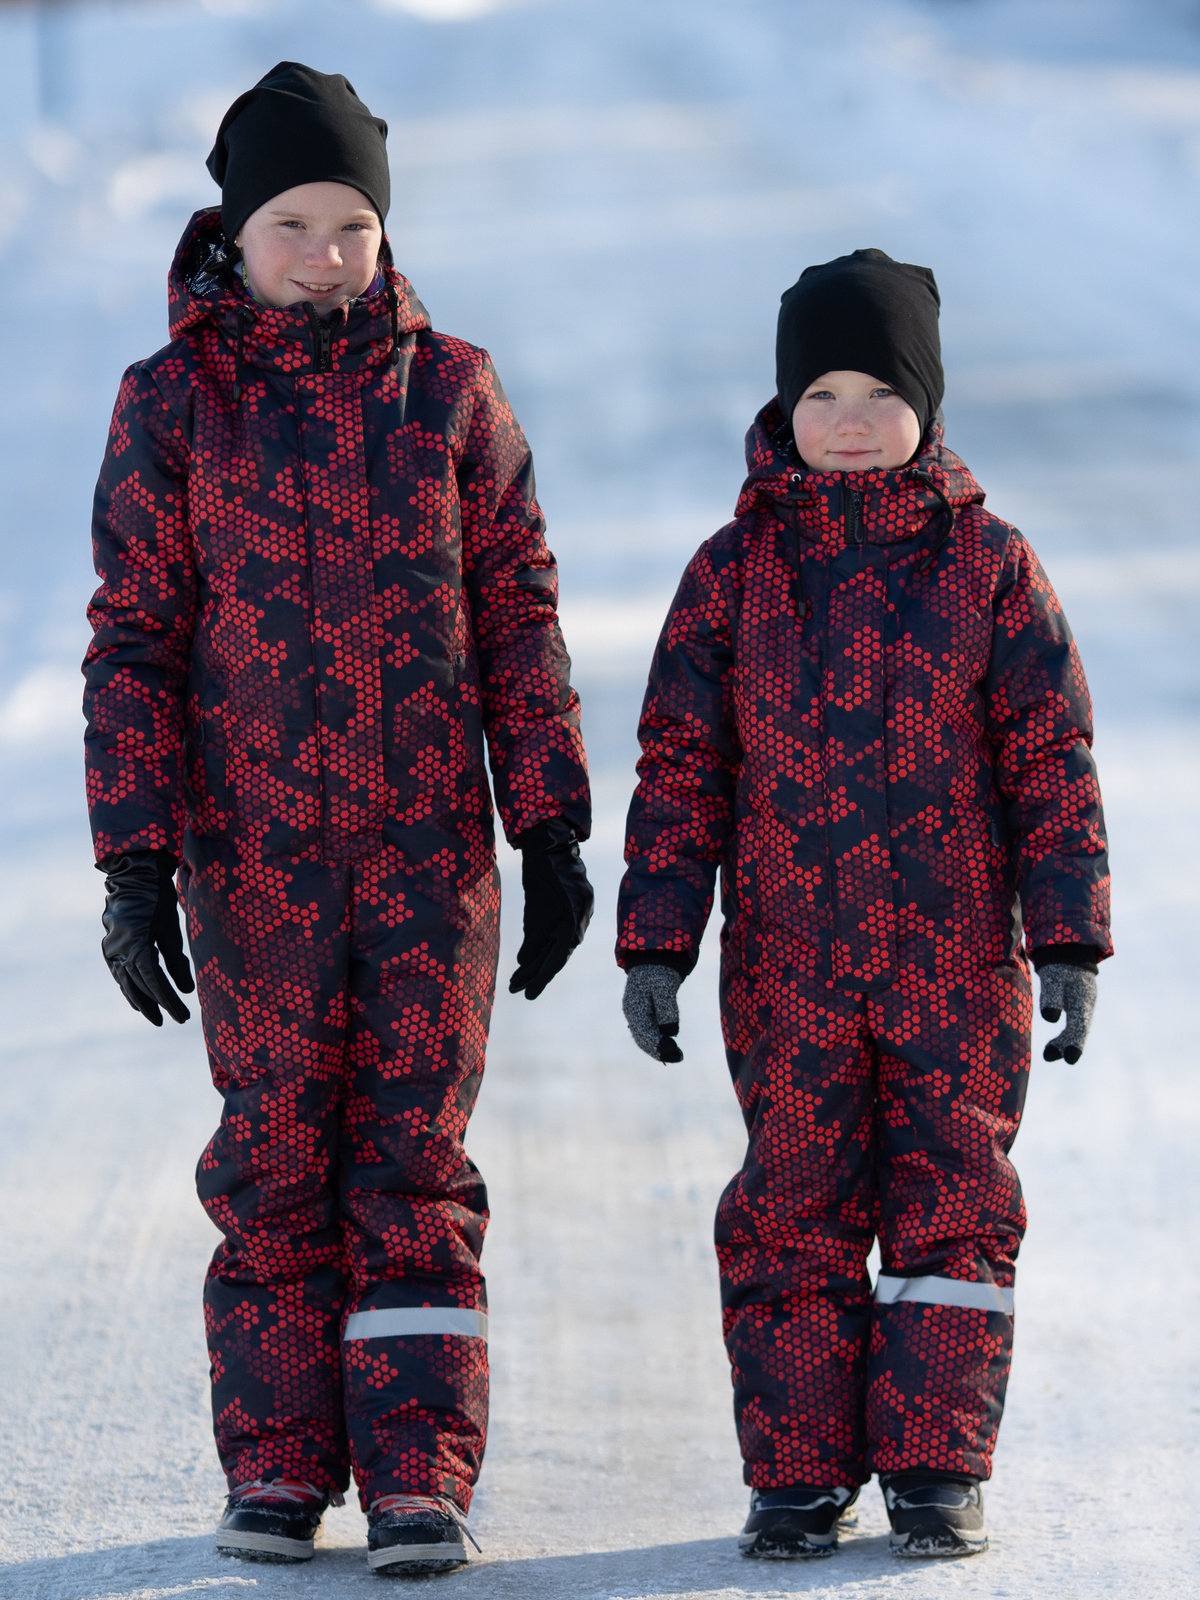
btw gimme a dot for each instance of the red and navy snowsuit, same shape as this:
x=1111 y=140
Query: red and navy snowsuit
x=324 y=581
x=867 y=709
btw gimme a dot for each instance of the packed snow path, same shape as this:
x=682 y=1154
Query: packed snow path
x=610 y=197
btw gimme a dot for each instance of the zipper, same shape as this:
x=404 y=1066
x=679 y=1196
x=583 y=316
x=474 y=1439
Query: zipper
x=798 y=496
x=322 y=337
x=852 y=517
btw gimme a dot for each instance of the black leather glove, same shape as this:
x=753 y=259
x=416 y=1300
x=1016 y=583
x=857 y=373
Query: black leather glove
x=558 y=904
x=140 y=914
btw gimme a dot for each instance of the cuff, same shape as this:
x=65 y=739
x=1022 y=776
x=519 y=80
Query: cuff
x=546 y=835
x=166 y=862
x=1065 y=955
x=674 y=959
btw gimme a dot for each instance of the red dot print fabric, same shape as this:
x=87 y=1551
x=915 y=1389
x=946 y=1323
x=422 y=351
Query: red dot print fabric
x=346 y=1010
x=867 y=710
x=892 y=1115
x=318 y=598
x=325 y=591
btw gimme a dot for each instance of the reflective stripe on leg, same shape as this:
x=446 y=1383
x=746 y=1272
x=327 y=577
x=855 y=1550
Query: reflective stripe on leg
x=407 y=1321
x=934 y=1291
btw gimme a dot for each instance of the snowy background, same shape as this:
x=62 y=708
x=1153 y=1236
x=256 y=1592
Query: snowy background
x=610 y=195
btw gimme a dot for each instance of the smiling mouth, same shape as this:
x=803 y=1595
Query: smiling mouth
x=316 y=288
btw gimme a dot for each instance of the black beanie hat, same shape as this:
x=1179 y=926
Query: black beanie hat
x=862 y=313
x=297 y=126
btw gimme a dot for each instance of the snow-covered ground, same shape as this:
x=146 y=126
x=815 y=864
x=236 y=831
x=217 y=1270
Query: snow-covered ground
x=611 y=194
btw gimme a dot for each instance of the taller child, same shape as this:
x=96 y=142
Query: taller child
x=323 y=583
x=867 y=709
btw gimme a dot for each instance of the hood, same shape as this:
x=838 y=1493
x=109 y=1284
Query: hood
x=895 y=505
x=203 y=287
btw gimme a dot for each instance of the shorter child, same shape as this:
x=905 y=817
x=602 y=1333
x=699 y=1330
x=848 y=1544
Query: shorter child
x=867 y=709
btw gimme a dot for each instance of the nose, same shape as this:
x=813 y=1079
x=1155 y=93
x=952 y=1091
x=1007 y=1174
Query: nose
x=852 y=418
x=323 y=252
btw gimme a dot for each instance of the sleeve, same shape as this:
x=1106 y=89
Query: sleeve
x=530 y=711
x=1040 y=728
x=142 y=616
x=682 y=813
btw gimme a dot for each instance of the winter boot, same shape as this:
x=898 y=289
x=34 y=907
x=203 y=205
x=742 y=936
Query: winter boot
x=794 y=1524
x=934 y=1514
x=414 y=1535
x=271 y=1521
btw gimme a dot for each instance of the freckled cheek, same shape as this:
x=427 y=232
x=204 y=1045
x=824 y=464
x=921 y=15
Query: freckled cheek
x=811 y=438
x=905 y=436
x=360 y=259
x=270 y=264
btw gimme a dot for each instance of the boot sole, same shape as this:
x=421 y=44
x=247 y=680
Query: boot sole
x=917 y=1547
x=414 y=1560
x=263 y=1547
x=791 y=1551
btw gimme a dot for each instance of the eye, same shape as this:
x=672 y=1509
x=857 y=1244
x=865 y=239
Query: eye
x=882 y=394
x=820 y=394
x=291 y=223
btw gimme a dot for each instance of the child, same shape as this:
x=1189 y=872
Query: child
x=866 y=708
x=323 y=582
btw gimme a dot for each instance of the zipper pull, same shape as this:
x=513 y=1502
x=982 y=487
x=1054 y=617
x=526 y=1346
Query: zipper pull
x=322 y=337
x=852 y=502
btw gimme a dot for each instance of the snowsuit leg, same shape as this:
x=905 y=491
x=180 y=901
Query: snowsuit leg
x=953 y=1065
x=414 y=1207
x=795 y=1225
x=346 y=1009
x=892 y=1113
x=270 y=942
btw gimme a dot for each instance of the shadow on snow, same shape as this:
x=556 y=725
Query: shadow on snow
x=179 y=1567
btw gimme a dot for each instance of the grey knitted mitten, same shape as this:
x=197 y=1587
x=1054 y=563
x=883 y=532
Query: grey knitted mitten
x=652 y=1011
x=1073 y=990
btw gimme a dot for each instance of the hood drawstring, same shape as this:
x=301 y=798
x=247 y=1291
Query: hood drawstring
x=393 y=300
x=930 y=559
x=240 y=358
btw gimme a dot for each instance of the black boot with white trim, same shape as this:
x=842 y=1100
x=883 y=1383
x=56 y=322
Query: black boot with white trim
x=934 y=1514
x=274 y=1520
x=415 y=1535
x=796 y=1524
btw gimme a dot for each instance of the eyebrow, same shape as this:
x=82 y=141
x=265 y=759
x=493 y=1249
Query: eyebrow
x=305 y=216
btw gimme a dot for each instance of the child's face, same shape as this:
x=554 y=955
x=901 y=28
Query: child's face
x=318 y=242
x=850 y=422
